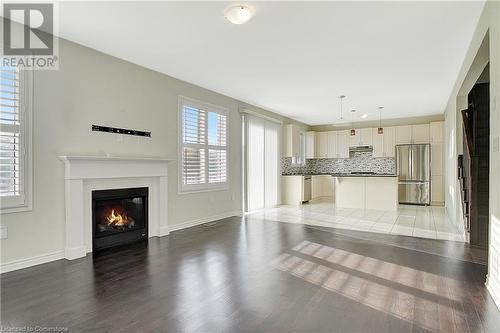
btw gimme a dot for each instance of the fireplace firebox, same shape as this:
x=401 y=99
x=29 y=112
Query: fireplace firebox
x=119 y=216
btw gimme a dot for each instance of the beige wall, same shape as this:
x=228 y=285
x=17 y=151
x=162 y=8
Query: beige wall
x=93 y=88
x=489 y=26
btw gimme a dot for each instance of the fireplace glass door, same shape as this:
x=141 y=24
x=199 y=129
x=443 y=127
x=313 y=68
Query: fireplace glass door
x=119 y=216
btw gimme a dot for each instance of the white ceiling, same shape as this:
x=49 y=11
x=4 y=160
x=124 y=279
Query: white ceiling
x=293 y=58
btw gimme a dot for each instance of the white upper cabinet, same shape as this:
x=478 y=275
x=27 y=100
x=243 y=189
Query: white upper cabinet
x=437 y=129
x=361 y=137
x=310 y=144
x=342 y=144
x=291 y=140
x=332 y=144
x=420 y=133
x=389 y=141
x=354 y=139
x=384 y=145
x=322 y=142
x=412 y=134
x=366 y=137
x=378 y=143
x=403 y=135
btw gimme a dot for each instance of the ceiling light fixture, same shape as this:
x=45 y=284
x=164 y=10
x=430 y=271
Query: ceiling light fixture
x=341 y=97
x=238 y=14
x=353 y=131
x=380 y=128
x=364 y=116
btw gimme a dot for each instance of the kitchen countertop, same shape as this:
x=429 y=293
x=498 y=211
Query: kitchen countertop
x=343 y=174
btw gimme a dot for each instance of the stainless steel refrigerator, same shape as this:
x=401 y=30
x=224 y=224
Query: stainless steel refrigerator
x=414 y=174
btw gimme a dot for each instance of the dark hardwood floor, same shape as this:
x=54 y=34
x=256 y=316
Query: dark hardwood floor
x=241 y=275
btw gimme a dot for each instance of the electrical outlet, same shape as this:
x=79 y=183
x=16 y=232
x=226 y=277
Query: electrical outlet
x=3 y=232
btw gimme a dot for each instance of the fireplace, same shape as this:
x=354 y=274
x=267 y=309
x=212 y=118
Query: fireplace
x=119 y=216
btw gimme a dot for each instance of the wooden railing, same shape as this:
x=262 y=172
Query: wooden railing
x=468 y=167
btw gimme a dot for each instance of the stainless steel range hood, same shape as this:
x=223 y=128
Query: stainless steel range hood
x=361 y=149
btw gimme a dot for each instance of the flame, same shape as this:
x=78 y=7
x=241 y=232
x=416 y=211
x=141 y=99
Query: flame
x=116 y=219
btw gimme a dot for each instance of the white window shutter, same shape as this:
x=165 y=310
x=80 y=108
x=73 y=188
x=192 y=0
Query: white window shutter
x=11 y=138
x=203 y=150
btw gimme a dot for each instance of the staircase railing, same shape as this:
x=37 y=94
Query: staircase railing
x=468 y=166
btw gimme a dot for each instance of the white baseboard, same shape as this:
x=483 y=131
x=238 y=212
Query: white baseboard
x=203 y=220
x=494 y=290
x=33 y=261
x=163 y=231
x=74 y=253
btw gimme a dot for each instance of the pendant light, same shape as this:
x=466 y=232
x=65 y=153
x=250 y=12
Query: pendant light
x=380 y=128
x=353 y=131
x=341 y=97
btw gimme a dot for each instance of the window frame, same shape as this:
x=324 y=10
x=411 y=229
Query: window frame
x=205 y=187
x=16 y=204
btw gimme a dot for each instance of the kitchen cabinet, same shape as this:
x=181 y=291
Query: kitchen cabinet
x=384 y=145
x=437 y=159
x=322 y=142
x=361 y=137
x=291 y=140
x=403 y=135
x=437 y=174
x=420 y=133
x=412 y=134
x=389 y=141
x=321 y=186
x=332 y=144
x=342 y=144
x=378 y=143
x=295 y=189
x=310 y=144
x=436 y=132
x=380 y=193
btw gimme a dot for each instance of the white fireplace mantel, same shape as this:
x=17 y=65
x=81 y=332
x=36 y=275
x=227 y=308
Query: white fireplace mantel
x=84 y=174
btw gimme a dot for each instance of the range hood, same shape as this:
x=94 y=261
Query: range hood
x=361 y=149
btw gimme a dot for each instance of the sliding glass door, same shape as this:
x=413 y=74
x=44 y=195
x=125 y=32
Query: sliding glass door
x=262 y=153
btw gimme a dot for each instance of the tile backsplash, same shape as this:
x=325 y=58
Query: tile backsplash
x=359 y=162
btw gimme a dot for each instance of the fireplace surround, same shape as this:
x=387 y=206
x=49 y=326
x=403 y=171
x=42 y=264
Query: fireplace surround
x=85 y=174
x=119 y=216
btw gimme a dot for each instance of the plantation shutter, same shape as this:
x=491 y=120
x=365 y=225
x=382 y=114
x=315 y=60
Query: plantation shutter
x=194 y=123
x=204 y=150
x=11 y=139
x=217 y=148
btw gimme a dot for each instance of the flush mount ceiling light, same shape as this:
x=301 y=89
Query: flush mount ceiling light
x=239 y=14
x=364 y=116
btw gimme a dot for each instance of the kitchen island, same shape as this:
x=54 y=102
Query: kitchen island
x=378 y=192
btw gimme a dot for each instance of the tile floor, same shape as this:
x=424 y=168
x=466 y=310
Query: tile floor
x=417 y=221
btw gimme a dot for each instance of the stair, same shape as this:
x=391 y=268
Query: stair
x=473 y=166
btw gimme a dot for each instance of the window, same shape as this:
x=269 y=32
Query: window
x=15 y=139
x=203 y=149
